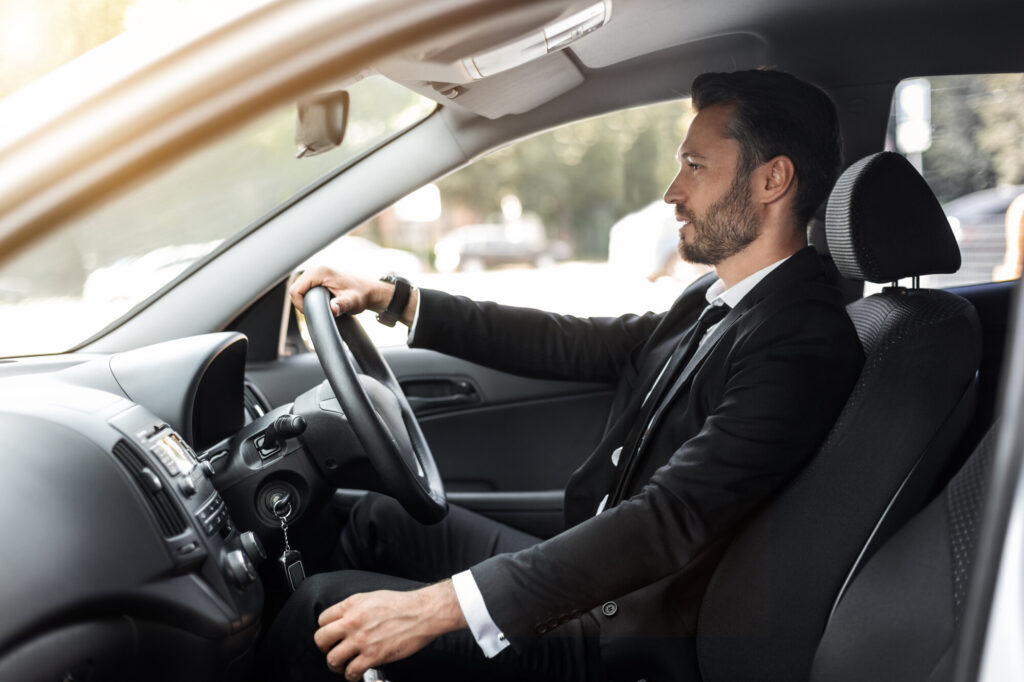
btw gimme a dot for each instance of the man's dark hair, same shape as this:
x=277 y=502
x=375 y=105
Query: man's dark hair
x=778 y=114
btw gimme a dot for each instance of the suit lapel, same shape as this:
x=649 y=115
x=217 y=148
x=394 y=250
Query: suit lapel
x=695 y=361
x=803 y=265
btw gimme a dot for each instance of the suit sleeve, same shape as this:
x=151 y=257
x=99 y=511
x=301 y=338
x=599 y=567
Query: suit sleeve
x=785 y=386
x=529 y=342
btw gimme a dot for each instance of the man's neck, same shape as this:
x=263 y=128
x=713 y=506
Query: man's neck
x=759 y=254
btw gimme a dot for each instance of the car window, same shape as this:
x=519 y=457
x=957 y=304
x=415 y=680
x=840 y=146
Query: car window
x=570 y=221
x=964 y=133
x=97 y=266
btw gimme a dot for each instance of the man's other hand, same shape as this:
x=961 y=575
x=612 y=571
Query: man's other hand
x=349 y=293
x=371 y=629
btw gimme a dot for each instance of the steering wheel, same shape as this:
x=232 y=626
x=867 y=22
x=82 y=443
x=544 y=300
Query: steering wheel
x=376 y=409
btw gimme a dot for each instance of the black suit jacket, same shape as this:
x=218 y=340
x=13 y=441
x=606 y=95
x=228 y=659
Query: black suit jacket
x=751 y=406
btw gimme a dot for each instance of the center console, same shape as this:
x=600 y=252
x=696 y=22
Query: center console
x=193 y=520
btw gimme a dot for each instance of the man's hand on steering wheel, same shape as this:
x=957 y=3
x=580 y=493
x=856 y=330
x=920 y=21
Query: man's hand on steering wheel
x=350 y=294
x=370 y=397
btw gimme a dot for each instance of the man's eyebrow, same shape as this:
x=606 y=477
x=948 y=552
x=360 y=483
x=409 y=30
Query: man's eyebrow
x=681 y=155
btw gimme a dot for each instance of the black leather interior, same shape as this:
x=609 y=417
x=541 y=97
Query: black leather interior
x=770 y=598
x=899 y=619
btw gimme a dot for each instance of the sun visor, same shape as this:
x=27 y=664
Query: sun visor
x=511 y=92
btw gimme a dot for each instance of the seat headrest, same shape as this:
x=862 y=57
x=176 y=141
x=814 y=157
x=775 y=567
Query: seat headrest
x=884 y=223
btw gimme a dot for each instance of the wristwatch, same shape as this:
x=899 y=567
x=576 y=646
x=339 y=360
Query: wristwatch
x=399 y=299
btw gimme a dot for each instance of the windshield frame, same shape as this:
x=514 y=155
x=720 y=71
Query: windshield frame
x=236 y=237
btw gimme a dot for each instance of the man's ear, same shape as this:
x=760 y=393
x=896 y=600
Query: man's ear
x=776 y=179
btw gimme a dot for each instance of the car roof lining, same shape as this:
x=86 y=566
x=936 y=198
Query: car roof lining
x=890 y=41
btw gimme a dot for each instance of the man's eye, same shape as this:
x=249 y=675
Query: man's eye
x=693 y=166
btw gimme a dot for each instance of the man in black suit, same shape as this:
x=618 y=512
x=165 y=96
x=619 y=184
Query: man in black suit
x=719 y=402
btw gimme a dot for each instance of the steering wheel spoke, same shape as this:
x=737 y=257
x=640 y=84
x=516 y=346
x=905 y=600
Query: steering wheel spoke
x=376 y=408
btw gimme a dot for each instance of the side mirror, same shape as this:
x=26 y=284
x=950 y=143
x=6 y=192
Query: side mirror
x=321 y=123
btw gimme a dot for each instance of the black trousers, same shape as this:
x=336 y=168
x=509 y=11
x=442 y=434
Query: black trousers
x=384 y=548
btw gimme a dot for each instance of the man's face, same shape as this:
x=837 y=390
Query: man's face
x=712 y=199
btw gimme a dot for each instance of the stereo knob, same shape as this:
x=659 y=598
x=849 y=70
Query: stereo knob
x=252 y=547
x=239 y=569
x=187 y=486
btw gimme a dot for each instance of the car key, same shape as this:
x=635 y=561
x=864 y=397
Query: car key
x=290 y=559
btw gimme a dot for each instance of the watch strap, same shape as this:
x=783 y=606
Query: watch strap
x=399 y=299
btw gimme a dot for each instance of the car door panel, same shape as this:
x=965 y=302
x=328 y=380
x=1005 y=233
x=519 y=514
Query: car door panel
x=505 y=444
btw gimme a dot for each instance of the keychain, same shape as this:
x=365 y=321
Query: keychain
x=290 y=559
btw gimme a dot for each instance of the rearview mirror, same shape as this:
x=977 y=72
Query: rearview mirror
x=321 y=122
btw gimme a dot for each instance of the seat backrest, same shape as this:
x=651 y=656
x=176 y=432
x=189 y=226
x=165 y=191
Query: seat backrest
x=768 y=602
x=898 y=619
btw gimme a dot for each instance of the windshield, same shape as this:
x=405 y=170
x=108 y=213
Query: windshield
x=95 y=268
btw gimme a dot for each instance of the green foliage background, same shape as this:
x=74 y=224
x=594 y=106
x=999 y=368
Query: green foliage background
x=977 y=134
x=582 y=178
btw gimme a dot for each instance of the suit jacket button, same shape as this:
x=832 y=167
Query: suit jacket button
x=609 y=608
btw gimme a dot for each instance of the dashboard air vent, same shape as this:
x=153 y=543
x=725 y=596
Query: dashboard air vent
x=168 y=516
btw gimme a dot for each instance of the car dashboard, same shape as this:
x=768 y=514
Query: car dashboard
x=121 y=559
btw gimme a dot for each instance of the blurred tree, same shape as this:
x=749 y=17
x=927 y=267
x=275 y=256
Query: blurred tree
x=956 y=163
x=581 y=178
x=977 y=133
x=1002 y=133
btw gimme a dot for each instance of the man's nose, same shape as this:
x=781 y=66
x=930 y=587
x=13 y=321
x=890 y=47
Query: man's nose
x=674 y=194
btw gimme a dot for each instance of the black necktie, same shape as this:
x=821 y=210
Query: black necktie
x=710 y=316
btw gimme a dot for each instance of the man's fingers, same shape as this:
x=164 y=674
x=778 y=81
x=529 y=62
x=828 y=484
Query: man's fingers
x=329 y=635
x=340 y=657
x=349 y=295
x=359 y=665
x=306 y=281
x=296 y=291
x=347 y=302
x=332 y=613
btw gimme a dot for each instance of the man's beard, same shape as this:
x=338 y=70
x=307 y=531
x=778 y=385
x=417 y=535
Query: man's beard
x=726 y=228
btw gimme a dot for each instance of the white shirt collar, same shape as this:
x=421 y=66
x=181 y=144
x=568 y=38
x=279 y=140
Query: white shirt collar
x=717 y=294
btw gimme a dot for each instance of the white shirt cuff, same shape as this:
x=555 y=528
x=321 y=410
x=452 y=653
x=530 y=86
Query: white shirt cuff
x=486 y=633
x=412 y=327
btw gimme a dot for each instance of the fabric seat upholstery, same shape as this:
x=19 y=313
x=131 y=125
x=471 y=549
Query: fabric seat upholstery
x=899 y=618
x=770 y=598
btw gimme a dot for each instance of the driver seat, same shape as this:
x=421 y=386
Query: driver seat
x=769 y=599
x=902 y=615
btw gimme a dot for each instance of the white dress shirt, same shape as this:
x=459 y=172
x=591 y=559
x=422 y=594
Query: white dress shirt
x=485 y=631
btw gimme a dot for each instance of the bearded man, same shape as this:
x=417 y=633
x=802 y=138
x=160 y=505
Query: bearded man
x=719 y=402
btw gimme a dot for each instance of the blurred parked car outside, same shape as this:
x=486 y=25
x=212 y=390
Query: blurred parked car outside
x=978 y=220
x=472 y=248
